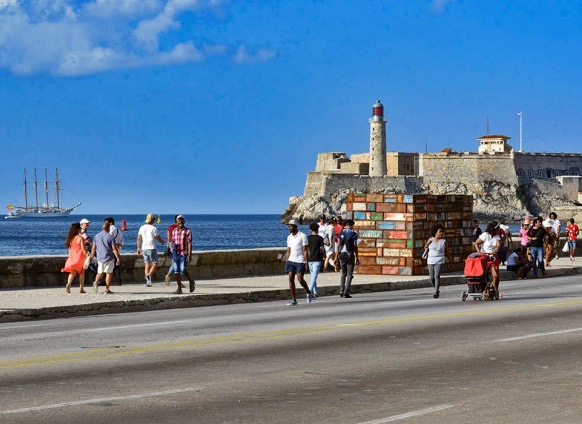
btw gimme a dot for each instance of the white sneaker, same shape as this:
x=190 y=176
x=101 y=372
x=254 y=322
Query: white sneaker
x=309 y=298
x=148 y=279
x=167 y=279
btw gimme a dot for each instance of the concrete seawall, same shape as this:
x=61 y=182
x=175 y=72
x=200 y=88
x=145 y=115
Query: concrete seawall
x=45 y=271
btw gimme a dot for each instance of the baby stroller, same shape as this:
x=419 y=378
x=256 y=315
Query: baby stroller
x=479 y=279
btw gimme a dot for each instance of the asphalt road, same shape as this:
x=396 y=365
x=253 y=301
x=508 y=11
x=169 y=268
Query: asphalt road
x=377 y=358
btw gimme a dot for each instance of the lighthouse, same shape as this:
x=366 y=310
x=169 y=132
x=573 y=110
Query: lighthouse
x=377 y=141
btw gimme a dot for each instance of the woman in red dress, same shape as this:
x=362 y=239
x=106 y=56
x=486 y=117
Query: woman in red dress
x=77 y=255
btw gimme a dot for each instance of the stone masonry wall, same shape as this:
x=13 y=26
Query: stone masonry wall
x=546 y=166
x=469 y=168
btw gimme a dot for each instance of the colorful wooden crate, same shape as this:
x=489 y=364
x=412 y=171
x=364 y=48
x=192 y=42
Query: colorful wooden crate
x=393 y=229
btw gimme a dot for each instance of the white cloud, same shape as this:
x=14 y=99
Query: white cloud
x=70 y=38
x=439 y=6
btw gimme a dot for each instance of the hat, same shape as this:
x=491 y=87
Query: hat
x=322 y=216
x=149 y=217
x=84 y=221
x=180 y=217
x=548 y=222
x=292 y=222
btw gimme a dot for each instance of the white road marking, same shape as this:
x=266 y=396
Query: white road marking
x=121 y=327
x=410 y=414
x=533 y=336
x=91 y=401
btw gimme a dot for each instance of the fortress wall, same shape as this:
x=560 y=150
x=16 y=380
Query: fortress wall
x=326 y=184
x=467 y=168
x=546 y=166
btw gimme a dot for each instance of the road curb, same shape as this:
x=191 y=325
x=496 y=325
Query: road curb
x=165 y=302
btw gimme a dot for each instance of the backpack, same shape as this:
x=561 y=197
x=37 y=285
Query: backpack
x=349 y=243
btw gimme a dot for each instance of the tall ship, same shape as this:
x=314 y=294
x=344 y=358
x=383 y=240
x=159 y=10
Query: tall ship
x=45 y=210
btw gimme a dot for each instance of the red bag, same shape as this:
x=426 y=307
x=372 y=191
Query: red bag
x=475 y=265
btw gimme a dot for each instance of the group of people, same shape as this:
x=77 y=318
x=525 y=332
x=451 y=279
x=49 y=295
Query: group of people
x=540 y=241
x=83 y=250
x=332 y=241
x=105 y=249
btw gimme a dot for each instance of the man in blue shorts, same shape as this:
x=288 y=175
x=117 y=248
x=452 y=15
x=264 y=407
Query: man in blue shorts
x=296 y=260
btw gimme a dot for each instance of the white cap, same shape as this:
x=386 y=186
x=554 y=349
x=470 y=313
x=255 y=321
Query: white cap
x=292 y=222
x=84 y=221
x=180 y=217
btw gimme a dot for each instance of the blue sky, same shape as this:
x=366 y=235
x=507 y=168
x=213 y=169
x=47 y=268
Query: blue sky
x=217 y=106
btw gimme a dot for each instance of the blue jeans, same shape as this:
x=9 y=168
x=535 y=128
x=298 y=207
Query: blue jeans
x=314 y=268
x=537 y=255
x=179 y=263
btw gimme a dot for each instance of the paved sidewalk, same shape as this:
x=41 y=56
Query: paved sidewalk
x=35 y=303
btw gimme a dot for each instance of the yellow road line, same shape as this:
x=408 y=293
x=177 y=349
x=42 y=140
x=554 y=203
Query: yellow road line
x=102 y=353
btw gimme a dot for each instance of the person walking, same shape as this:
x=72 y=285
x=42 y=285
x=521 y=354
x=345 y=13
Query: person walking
x=316 y=252
x=119 y=242
x=77 y=256
x=437 y=253
x=146 y=246
x=348 y=257
x=182 y=253
x=171 y=228
x=475 y=231
x=489 y=242
x=326 y=232
x=557 y=227
x=107 y=256
x=549 y=241
x=535 y=236
x=572 y=232
x=297 y=255
x=88 y=241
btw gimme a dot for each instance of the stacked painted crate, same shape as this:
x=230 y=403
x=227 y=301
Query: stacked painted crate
x=393 y=229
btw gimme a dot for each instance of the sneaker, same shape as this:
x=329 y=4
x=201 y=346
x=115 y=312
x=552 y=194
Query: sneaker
x=292 y=303
x=148 y=279
x=108 y=292
x=341 y=295
x=348 y=296
x=309 y=298
x=192 y=285
x=95 y=287
x=178 y=291
x=167 y=279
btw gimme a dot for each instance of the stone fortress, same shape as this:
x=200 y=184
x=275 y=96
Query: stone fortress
x=504 y=183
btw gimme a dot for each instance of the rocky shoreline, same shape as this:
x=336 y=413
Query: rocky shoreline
x=492 y=200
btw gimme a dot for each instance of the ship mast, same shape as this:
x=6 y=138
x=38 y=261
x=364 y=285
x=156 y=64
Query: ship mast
x=57 y=189
x=46 y=187
x=36 y=189
x=25 y=192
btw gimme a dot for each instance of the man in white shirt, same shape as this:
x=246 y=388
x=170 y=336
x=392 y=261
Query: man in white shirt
x=146 y=245
x=296 y=260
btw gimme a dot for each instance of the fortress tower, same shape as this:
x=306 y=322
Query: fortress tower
x=377 y=141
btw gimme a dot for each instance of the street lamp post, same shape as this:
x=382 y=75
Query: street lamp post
x=520 y=114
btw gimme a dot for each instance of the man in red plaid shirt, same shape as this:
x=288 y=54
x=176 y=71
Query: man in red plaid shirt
x=182 y=253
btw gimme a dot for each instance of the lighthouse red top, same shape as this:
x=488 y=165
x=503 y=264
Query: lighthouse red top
x=378 y=109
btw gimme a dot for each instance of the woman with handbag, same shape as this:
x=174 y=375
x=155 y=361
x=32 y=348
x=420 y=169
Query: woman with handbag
x=435 y=250
x=78 y=256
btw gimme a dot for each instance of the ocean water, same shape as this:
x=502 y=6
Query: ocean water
x=31 y=236
x=210 y=232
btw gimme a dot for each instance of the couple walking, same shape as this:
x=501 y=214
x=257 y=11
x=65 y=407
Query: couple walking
x=180 y=244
